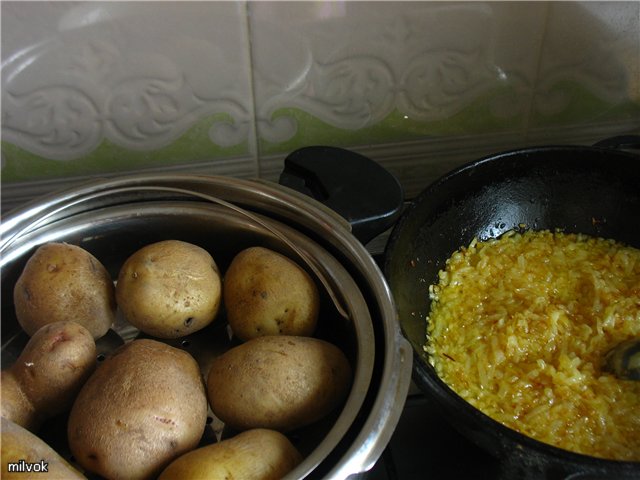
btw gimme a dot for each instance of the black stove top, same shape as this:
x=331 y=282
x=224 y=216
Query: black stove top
x=425 y=446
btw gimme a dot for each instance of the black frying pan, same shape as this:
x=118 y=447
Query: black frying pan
x=592 y=190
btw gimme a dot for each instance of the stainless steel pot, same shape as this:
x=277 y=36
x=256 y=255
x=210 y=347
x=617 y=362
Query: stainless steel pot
x=113 y=218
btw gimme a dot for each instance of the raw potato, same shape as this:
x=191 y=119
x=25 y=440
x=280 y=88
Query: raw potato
x=258 y=454
x=143 y=407
x=169 y=289
x=19 y=444
x=48 y=374
x=63 y=282
x=266 y=293
x=278 y=382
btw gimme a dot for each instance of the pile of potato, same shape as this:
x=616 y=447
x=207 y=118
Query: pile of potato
x=141 y=413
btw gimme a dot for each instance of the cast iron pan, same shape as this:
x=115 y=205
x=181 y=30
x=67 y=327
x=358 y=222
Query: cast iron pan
x=592 y=190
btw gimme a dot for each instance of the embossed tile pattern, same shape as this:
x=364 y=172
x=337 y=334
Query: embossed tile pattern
x=136 y=75
x=589 y=63
x=352 y=65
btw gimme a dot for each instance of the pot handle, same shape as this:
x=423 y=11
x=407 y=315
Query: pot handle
x=359 y=189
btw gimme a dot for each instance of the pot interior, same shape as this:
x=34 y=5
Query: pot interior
x=113 y=233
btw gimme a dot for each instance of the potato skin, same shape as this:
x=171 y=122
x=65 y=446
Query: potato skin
x=278 y=382
x=144 y=406
x=266 y=293
x=169 y=289
x=48 y=374
x=20 y=444
x=63 y=282
x=257 y=454
x=16 y=406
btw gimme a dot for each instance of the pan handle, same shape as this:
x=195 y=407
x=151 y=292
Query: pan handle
x=359 y=189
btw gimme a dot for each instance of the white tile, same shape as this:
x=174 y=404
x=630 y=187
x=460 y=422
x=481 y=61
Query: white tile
x=593 y=45
x=138 y=74
x=350 y=64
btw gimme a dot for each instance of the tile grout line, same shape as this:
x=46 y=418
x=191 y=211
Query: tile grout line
x=254 y=144
x=534 y=89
